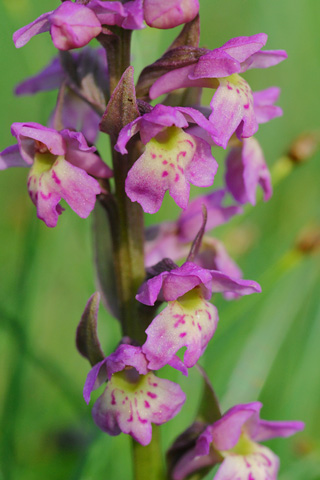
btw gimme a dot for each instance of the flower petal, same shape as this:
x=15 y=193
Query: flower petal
x=24 y=34
x=73 y=26
x=11 y=157
x=263 y=104
x=166 y=164
x=264 y=59
x=169 y=14
x=232 y=110
x=61 y=180
x=130 y=408
x=245 y=170
x=261 y=464
x=189 y=322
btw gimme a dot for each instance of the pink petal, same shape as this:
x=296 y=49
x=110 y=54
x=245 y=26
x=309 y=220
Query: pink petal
x=169 y=14
x=24 y=34
x=11 y=157
x=128 y=410
x=261 y=464
x=189 y=322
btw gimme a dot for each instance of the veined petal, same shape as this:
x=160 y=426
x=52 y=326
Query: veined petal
x=24 y=34
x=266 y=429
x=131 y=407
x=264 y=59
x=190 y=321
x=262 y=463
x=242 y=48
x=232 y=110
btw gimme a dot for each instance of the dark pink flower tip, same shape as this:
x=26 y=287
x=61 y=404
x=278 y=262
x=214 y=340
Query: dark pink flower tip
x=169 y=14
x=245 y=170
x=71 y=26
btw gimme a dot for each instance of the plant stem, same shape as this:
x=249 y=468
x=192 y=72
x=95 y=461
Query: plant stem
x=127 y=230
x=147 y=460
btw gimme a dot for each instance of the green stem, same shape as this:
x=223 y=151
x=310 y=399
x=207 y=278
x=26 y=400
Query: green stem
x=147 y=460
x=127 y=230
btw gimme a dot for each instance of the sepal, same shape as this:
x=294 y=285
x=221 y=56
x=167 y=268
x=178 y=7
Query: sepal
x=87 y=341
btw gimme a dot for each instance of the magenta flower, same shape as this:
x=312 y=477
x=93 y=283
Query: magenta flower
x=232 y=104
x=189 y=319
x=233 y=440
x=70 y=25
x=61 y=167
x=169 y=14
x=172 y=158
x=245 y=170
x=134 y=397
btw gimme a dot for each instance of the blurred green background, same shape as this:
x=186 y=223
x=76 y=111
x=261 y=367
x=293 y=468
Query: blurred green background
x=266 y=346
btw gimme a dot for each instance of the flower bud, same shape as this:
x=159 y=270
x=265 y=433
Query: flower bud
x=171 y=13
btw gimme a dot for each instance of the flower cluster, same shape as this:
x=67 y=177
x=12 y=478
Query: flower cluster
x=155 y=148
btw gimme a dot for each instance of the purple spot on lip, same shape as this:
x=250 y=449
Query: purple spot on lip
x=151 y=395
x=146 y=404
x=55 y=177
x=176 y=179
x=183 y=334
x=164 y=161
x=44 y=196
x=165 y=173
x=246 y=106
x=180 y=321
x=113 y=399
x=153 y=155
x=229 y=88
